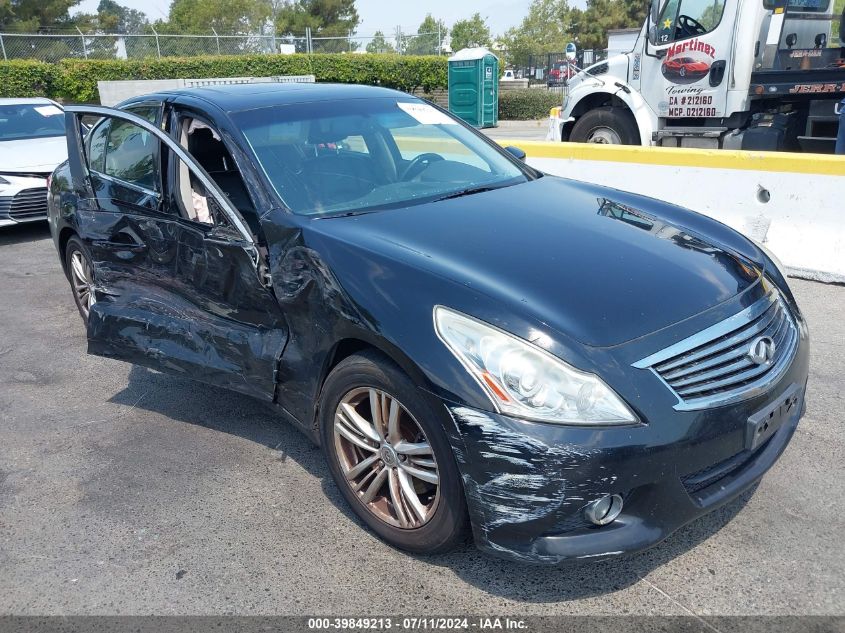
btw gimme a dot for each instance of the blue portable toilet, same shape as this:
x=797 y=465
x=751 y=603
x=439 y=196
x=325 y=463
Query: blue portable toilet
x=474 y=86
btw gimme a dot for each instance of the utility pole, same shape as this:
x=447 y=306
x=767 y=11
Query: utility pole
x=84 y=47
x=158 y=48
x=217 y=39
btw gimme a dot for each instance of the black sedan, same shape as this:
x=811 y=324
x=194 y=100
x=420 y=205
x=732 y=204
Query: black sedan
x=569 y=370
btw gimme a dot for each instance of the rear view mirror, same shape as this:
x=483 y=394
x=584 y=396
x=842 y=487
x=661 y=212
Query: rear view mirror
x=515 y=152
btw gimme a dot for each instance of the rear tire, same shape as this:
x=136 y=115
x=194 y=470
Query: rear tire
x=430 y=519
x=606 y=126
x=80 y=274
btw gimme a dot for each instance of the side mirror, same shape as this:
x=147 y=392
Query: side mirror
x=515 y=152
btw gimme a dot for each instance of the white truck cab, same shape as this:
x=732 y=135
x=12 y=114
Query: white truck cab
x=753 y=74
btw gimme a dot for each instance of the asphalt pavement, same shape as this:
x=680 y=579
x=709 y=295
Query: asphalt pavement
x=125 y=491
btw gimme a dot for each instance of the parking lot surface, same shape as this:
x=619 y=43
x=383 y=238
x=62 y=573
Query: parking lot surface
x=519 y=130
x=124 y=491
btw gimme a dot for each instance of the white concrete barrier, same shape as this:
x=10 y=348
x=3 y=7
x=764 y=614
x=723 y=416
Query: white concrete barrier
x=113 y=92
x=794 y=204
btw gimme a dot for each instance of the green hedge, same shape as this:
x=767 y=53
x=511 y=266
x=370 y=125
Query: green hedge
x=532 y=103
x=26 y=79
x=76 y=80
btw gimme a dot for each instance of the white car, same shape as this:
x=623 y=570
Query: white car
x=32 y=145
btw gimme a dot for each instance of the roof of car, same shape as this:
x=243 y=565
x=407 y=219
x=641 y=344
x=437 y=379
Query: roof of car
x=27 y=101
x=234 y=97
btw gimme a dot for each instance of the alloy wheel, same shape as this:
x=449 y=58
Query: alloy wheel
x=386 y=458
x=82 y=280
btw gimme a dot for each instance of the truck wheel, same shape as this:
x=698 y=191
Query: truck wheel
x=608 y=126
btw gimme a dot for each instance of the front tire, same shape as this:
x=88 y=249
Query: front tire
x=606 y=126
x=390 y=457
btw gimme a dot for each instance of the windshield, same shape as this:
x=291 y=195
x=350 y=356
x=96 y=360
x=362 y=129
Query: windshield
x=30 y=120
x=360 y=155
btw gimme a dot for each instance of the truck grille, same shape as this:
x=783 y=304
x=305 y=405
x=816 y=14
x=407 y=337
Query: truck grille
x=718 y=365
x=29 y=204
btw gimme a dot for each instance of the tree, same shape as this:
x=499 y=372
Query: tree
x=325 y=18
x=599 y=16
x=379 y=44
x=32 y=15
x=114 y=18
x=428 y=39
x=471 y=32
x=224 y=16
x=548 y=27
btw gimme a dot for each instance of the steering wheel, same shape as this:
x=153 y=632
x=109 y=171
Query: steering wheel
x=419 y=163
x=689 y=26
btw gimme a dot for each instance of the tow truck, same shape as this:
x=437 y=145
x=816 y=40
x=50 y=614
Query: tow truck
x=733 y=74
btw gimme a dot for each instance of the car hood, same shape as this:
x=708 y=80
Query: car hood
x=596 y=264
x=32 y=155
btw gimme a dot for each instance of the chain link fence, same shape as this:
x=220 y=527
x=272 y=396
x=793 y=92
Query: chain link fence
x=53 y=47
x=555 y=69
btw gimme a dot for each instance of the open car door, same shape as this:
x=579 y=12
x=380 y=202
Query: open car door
x=176 y=290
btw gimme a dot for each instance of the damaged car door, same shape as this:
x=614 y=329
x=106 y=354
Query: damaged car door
x=180 y=280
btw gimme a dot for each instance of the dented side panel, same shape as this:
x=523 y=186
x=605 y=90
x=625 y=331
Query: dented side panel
x=172 y=298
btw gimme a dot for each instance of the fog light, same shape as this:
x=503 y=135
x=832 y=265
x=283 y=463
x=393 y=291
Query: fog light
x=604 y=510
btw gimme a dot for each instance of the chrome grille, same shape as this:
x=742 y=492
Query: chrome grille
x=29 y=204
x=716 y=366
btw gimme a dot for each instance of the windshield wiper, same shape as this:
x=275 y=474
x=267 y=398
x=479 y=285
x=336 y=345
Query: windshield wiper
x=467 y=192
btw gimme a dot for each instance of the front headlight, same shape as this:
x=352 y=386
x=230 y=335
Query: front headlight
x=3 y=181
x=525 y=381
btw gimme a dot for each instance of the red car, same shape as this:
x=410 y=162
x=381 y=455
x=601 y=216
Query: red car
x=685 y=66
x=560 y=74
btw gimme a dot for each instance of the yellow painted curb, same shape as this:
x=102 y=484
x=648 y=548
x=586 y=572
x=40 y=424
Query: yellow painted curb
x=822 y=164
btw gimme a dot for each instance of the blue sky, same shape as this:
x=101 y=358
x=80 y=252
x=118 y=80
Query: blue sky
x=386 y=15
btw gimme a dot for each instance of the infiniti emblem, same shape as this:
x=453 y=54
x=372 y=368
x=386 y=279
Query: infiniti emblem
x=388 y=456
x=762 y=350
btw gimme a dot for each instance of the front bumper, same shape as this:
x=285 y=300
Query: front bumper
x=527 y=484
x=23 y=199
